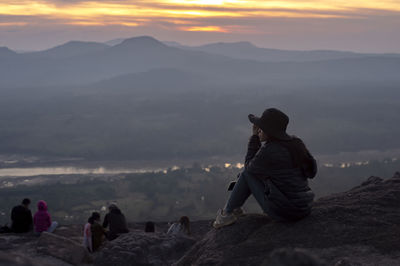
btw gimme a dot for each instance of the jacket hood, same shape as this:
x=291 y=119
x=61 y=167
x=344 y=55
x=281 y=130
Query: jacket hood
x=42 y=205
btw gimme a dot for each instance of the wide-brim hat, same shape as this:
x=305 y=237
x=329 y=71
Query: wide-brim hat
x=273 y=122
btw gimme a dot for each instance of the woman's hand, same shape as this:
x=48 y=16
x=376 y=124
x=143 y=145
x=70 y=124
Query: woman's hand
x=255 y=130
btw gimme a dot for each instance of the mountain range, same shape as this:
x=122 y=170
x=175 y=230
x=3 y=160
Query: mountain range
x=141 y=98
x=77 y=63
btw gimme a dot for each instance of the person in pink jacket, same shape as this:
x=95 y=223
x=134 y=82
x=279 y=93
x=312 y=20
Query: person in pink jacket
x=42 y=219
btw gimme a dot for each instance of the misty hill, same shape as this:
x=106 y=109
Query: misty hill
x=70 y=49
x=114 y=41
x=139 y=43
x=5 y=52
x=132 y=55
x=169 y=113
x=230 y=74
x=161 y=79
x=247 y=50
x=77 y=63
x=114 y=102
x=343 y=229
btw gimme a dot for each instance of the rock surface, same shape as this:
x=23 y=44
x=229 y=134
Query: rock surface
x=8 y=258
x=63 y=248
x=139 y=248
x=21 y=249
x=354 y=228
x=358 y=227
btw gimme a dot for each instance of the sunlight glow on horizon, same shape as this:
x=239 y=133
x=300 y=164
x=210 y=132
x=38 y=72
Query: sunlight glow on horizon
x=191 y=14
x=207 y=28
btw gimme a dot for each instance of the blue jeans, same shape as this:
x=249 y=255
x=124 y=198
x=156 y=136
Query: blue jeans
x=51 y=229
x=249 y=185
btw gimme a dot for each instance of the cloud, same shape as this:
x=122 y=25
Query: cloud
x=192 y=8
x=240 y=17
x=189 y=15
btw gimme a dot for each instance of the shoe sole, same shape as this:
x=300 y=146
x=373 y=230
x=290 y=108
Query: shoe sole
x=217 y=226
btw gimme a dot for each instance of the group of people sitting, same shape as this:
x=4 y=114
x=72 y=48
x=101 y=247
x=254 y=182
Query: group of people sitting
x=94 y=233
x=22 y=221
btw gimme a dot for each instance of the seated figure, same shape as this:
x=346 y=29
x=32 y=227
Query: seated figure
x=276 y=173
x=21 y=217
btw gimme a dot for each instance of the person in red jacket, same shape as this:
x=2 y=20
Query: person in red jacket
x=42 y=220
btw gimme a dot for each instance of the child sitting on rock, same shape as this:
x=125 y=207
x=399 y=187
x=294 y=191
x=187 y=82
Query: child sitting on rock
x=42 y=220
x=98 y=232
x=93 y=233
x=87 y=235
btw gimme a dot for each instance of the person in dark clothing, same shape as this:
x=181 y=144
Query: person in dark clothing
x=276 y=173
x=149 y=227
x=21 y=218
x=116 y=222
x=98 y=231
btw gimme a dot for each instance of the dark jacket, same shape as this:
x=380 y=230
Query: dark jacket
x=21 y=218
x=116 y=220
x=97 y=235
x=287 y=190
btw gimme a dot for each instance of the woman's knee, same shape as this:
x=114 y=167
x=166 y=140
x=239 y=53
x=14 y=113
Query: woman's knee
x=244 y=175
x=250 y=178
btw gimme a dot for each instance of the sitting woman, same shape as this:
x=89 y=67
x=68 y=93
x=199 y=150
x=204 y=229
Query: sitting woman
x=180 y=228
x=276 y=173
x=116 y=221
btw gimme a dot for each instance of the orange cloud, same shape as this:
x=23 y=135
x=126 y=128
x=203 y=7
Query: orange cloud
x=8 y=24
x=133 y=13
x=206 y=28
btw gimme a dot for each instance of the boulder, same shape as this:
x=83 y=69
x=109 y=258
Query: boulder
x=139 y=248
x=292 y=257
x=357 y=227
x=7 y=259
x=63 y=248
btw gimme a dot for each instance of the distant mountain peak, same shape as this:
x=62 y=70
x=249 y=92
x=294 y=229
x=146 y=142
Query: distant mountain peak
x=114 y=42
x=146 y=41
x=71 y=48
x=77 y=44
x=5 y=51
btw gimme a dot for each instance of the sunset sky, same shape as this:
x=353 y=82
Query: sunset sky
x=358 y=25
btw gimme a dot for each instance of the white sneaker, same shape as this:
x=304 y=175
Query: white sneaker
x=224 y=219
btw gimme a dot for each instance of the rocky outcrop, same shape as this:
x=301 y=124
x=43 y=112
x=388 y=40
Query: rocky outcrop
x=361 y=226
x=138 y=248
x=22 y=249
x=354 y=228
x=7 y=259
x=292 y=257
x=63 y=248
